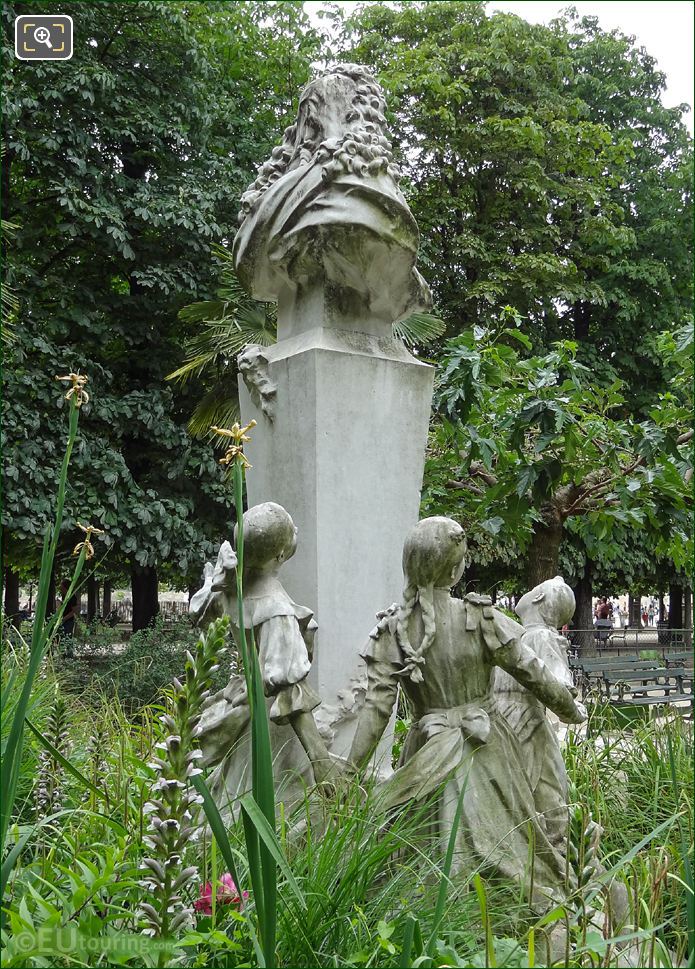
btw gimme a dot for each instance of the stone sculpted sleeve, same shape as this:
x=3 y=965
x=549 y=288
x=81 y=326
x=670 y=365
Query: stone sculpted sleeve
x=522 y=663
x=382 y=690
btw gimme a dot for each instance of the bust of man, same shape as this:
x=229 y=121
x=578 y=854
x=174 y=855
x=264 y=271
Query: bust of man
x=326 y=232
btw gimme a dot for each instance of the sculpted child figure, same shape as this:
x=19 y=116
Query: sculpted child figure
x=542 y=611
x=442 y=652
x=283 y=633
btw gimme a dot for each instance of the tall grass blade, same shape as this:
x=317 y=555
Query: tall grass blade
x=10 y=765
x=217 y=827
x=446 y=872
x=606 y=876
x=685 y=853
x=264 y=799
x=412 y=942
x=485 y=918
x=262 y=864
x=13 y=854
x=269 y=838
x=253 y=852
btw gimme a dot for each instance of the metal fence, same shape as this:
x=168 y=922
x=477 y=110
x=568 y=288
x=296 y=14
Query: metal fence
x=613 y=640
x=167 y=609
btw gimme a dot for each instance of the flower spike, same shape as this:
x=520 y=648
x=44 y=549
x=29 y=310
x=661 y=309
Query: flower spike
x=89 y=530
x=76 y=390
x=240 y=437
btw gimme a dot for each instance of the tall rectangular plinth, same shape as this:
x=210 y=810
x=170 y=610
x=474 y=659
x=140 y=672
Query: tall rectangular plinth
x=344 y=454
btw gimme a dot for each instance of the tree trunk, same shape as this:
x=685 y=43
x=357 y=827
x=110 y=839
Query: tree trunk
x=662 y=607
x=584 y=614
x=106 y=607
x=687 y=608
x=145 y=588
x=92 y=598
x=675 y=607
x=634 y=611
x=688 y=618
x=12 y=596
x=543 y=556
x=581 y=323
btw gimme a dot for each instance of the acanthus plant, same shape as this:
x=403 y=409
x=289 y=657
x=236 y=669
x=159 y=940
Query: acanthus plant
x=174 y=801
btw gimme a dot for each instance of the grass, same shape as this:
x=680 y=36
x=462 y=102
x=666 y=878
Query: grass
x=371 y=884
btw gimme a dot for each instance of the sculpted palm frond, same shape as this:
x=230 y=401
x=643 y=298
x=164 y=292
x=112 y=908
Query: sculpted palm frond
x=420 y=329
x=234 y=321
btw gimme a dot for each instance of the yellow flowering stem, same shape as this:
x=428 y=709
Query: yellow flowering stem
x=39 y=640
x=262 y=865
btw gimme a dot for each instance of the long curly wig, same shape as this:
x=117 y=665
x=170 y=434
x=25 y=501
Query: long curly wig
x=363 y=149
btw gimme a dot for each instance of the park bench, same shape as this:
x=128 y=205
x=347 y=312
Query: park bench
x=589 y=672
x=595 y=672
x=683 y=658
x=658 y=686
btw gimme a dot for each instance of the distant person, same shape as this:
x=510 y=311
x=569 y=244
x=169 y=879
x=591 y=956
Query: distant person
x=651 y=613
x=645 y=617
x=603 y=620
x=604 y=609
x=618 y=614
x=67 y=626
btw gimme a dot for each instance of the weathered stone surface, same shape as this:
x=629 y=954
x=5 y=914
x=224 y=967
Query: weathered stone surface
x=543 y=610
x=344 y=455
x=327 y=234
x=442 y=652
x=253 y=367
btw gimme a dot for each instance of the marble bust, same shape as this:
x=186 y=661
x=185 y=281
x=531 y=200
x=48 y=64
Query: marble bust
x=326 y=231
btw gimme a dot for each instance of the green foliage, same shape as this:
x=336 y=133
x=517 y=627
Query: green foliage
x=525 y=443
x=10 y=302
x=229 y=324
x=120 y=174
x=634 y=782
x=544 y=173
x=150 y=660
x=259 y=810
x=43 y=630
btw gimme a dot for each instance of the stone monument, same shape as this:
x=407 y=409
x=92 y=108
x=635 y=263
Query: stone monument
x=283 y=632
x=342 y=407
x=444 y=654
x=543 y=610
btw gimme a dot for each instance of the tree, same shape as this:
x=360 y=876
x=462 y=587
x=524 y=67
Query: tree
x=528 y=448
x=121 y=168
x=545 y=174
x=647 y=285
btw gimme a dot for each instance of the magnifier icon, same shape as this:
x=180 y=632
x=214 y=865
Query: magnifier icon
x=42 y=35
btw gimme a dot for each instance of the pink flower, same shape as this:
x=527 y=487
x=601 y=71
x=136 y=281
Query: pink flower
x=227 y=894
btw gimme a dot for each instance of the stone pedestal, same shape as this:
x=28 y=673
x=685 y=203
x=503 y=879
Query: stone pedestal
x=344 y=454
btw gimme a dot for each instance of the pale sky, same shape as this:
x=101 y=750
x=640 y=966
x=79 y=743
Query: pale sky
x=664 y=27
